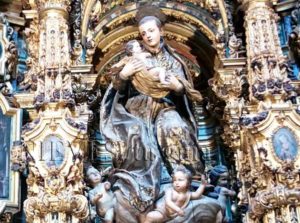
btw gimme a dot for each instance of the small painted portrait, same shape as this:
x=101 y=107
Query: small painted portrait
x=53 y=151
x=285 y=144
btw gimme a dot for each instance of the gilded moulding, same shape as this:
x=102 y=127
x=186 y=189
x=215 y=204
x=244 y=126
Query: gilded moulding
x=13 y=202
x=57 y=144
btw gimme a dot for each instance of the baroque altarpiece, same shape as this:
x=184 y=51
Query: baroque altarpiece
x=56 y=59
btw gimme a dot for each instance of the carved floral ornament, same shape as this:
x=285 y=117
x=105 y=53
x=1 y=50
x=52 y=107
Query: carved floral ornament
x=268 y=163
x=56 y=145
x=231 y=85
x=248 y=4
x=8 y=50
x=94 y=10
x=46 y=5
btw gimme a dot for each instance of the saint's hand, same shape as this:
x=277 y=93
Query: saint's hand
x=173 y=83
x=131 y=68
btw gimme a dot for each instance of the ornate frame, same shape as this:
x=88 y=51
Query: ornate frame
x=272 y=145
x=14 y=189
x=67 y=150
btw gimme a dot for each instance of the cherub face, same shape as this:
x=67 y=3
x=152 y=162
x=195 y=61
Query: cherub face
x=180 y=181
x=136 y=48
x=94 y=177
x=223 y=179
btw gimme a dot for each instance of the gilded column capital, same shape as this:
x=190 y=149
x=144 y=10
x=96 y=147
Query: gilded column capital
x=267 y=66
x=267 y=167
x=52 y=6
x=57 y=139
x=251 y=4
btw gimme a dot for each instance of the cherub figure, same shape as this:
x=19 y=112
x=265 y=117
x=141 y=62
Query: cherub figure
x=101 y=196
x=219 y=179
x=177 y=197
x=134 y=50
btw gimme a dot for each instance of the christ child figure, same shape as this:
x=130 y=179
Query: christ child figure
x=177 y=197
x=134 y=50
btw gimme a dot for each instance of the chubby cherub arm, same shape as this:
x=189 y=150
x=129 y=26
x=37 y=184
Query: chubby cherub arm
x=171 y=204
x=198 y=193
x=94 y=197
x=227 y=192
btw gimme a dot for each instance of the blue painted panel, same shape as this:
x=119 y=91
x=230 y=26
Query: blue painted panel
x=5 y=142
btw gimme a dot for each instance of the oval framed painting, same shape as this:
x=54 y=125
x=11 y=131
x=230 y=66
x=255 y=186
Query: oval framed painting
x=53 y=151
x=285 y=144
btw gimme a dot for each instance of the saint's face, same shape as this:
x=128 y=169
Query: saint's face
x=150 y=34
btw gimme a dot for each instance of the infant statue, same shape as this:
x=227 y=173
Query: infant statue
x=177 y=197
x=134 y=50
x=101 y=196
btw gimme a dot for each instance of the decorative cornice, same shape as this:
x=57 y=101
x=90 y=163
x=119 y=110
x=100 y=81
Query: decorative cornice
x=251 y=4
x=30 y=13
x=285 y=5
x=14 y=19
x=275 y=197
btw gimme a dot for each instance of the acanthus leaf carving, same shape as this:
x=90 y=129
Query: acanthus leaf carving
x=18 y=156
x=32 y=39
x=272 y=198
x=75 y=28
x=55 y=192
x=234 y=45
x=232 y=87
x=11 y=56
